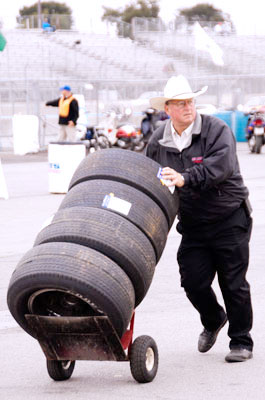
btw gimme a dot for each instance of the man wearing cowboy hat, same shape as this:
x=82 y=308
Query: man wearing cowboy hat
x=198 y=155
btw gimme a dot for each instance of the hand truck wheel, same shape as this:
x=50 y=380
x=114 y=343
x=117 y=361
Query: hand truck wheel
x=143 y=357
x=60 y=370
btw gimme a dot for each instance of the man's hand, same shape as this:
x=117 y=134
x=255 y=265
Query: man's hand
x=70 y=123
x=175 y=177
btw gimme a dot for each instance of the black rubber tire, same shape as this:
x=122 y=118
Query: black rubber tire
x=60 y=370
x=92 y=277
x=110 y=234
x=258 y=145
x=123 y=144
x=103 y=142
x=144 y=359
x=132 y=168
x=144 y=212
x=251 y=144
x=139 y=144
x=139 y=147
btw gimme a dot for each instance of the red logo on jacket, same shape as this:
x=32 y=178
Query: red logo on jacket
x=197 y=160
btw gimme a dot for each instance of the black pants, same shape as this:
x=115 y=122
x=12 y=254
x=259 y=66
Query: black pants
x=223 y=249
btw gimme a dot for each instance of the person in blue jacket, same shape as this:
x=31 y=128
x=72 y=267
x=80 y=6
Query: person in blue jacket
x=46 y=26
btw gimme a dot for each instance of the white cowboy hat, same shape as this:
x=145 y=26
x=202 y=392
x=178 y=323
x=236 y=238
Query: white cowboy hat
x=177 y=88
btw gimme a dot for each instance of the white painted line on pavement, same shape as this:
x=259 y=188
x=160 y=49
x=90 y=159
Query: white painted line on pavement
x=6 y=320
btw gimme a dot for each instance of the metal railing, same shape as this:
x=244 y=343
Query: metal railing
x=113 y=71
x=58 y=21
x=29 y=97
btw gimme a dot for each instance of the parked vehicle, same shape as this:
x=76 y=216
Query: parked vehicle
x=120 y=132
x=128 y=137
x=93 y=136
x=111 y=121
x=95 y=139
x=148 y=123
x=109 y=125
x=255 y=134
x=151 y=121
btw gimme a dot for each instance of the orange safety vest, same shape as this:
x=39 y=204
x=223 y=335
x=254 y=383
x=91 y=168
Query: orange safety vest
x=64 y=106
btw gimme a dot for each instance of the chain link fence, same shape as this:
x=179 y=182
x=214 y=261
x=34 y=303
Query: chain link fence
x=58 y=21
x=29 y=97
x=112 y=72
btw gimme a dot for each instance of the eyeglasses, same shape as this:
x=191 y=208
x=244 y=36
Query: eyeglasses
x=181 y=103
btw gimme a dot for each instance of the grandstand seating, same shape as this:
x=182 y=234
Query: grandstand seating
x=32 y=54
x=243 y=55
x=153 y=55
x=34 y=64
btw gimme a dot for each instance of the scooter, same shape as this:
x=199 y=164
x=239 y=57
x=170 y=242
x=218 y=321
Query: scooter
x=255 y=131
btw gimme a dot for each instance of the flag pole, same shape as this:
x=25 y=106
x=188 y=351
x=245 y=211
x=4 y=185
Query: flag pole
x=196 y=61
x=39 y=14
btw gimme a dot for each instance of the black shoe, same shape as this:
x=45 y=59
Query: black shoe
x=208 y=338
x=239 y=355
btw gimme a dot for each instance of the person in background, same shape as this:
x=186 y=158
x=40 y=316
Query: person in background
x=46 y=26
x=198 y=153
x=68 y=114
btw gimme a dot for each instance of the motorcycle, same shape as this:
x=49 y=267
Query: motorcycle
x=151 y=121
x=130 y=138
x=94 y=139
x=255 y=134
x=93 y=136
x=120 y=131
x=109 y=126
x=148 y=123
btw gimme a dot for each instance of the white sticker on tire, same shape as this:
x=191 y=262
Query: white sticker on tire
x=116 y=204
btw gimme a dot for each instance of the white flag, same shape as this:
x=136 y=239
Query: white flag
x=205 y=43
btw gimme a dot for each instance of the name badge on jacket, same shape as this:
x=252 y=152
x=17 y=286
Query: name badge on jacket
x=197 y=160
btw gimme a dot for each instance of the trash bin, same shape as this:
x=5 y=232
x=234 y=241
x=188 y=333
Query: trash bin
x=64 y=158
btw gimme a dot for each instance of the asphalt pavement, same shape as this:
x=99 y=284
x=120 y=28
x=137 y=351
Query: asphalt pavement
x=165 y=313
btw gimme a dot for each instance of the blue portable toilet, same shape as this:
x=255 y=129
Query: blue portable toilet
x=226 y=116
x=237 y=121
x=240 y=126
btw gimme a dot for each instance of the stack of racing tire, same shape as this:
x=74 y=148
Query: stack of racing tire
x=98 y=254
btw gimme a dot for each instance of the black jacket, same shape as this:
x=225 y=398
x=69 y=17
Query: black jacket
x=213 y=186
x=73 y=111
